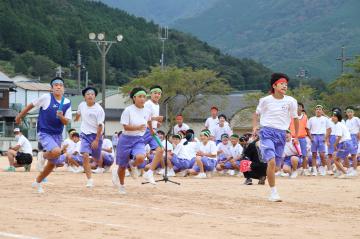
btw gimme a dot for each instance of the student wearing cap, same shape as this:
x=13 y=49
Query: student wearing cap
x=205 y=161
x=21 y=154
x=221 y=129
x=92 y=127
x=152 y=105
x=180 y=125
x=353 y=124
x=54 y=113
x=318 y=126
x=303 y=133
x=275 y=112
x=135 y=119
x=343 y=144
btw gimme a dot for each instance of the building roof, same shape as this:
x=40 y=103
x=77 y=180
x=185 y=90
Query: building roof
x=7 y=113
x=35 y=86
x=4 y=77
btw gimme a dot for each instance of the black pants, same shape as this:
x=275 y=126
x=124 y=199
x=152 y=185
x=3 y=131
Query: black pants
x=22 y=158
x=258 y=170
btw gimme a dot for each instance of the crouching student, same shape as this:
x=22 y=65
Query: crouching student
x=106 y=159
x=205 y=161
x=223 y=152
x=134 y=119
x=232 y=163
x=292 y=157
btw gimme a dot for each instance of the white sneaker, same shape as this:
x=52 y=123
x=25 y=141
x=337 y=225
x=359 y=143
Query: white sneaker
x=149 y=177
x=171 y=173
x=183 y=173
x=307 y=172
x=278 y=173
x=231 y=172
x=351 y=173
x=115 y=176
x=38 y=187
x=200 y=176
x=322 y=171
x=282 y=174
x=71 y=169
x=134 y=172
x=90 y=183
x=330 y=172
x=122 y=189
x=343 y=176
x=80 y=169
x=314 y=173
x=294 y=175
x=161 y=171
x=98 y=170
x=274 y=197
x=106 y=169
x=127 y=173
x=337 y=174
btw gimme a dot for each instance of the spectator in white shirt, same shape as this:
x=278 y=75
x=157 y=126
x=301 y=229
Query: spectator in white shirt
x=21 y=154
x=221 y=129
x=180 y=125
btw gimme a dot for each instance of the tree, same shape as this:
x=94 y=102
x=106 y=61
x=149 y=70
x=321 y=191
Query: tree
x=182 y=87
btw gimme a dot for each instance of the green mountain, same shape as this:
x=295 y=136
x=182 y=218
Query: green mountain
x=38 y=35
x=163 y=12
x=282 y=34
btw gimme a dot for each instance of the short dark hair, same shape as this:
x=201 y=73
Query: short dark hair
x=275 y=77
x=161 y=132
x=75 y=134
x=223 y=116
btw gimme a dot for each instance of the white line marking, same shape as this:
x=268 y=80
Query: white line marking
x=12 y=235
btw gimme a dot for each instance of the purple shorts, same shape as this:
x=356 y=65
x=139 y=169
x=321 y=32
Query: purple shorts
x=50 y=142
x=344 y=149
x=127 y=146
x=86 y=140
x=355 y=144
x=332 y=140
x=108 y=159
x=303 y=145
x=221 y=157
x=182 y=164
x=209 y=164
x=318 y=143
x=272 y=143
x=287 y=161
x=228 y=165
x=148 y=139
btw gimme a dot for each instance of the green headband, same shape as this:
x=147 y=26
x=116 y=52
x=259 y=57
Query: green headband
x=141 y=92
x=156 y=90
x=350 y=110
x=235 y=136
x=224 y=136
x=206 y=133
x=177 y=136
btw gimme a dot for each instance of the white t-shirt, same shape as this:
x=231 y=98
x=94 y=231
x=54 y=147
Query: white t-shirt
x=236 y=151
x=169 y=145
x=91 y=117
x=78 y=147
x=133 y=115
x=208 y=148
x=318 y=125
x=45 y=100
x=183 y=127
x=155 y=111
x=25 y=146
x=191 y=149
x=289 y=149
x=218 y=131
x=353 y=125
x=226 y=148
x=107 y=144
x=211 y=123
x=343 y=132
x=71 y=146
x=332 y=126
x=277 y=113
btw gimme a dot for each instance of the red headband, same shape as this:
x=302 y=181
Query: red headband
x=281 y=80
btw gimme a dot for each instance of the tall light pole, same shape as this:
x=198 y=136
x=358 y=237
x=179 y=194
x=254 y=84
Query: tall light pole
x=163 y=36
x=103 y=47
x=343 y=58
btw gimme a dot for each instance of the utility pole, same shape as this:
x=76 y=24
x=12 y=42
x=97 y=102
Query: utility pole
x=86 y=78
x=59 y=71
x=343 y=58
x=78 y=65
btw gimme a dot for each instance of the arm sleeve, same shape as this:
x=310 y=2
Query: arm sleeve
x=308 y=124
x=293 y=109
x=42 y=101
x=125 y=117
x=68 y=113
x=100 y=116
x=20 y=142
x=260 y=106
x=79 y=108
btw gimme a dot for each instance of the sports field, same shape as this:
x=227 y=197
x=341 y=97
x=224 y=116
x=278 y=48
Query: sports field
x=220 y=207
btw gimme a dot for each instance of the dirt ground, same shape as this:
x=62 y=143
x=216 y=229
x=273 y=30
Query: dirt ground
x=220 y=207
